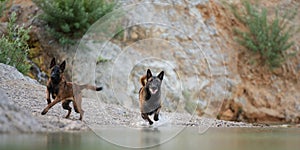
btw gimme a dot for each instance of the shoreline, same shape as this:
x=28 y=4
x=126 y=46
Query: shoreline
x=27 y=97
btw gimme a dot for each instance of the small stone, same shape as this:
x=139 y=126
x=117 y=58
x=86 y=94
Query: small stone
x=134 y=36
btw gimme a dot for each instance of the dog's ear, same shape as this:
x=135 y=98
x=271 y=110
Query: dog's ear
x=62 y=66
x=161 y=75
x=149 y=74
x=53 y=63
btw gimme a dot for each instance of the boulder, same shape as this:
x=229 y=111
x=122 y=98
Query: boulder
x=15 y=120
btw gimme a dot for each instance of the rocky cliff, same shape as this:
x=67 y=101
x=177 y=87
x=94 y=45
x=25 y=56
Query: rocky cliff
x=207 y=72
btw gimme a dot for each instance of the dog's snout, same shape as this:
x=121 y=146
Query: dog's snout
x=154 y=87
x=53 y=75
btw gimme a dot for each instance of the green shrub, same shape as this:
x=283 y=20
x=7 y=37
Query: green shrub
x=69 y=19
x=14 y=47
x=2 y=6
x=268 y=37
x=100 y=59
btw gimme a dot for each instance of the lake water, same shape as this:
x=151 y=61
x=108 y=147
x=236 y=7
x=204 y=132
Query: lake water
x=158 y=138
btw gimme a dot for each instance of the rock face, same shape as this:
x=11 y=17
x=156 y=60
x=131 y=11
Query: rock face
x=173 y=37
x=12 y=117
x=10 y=73
x=260 y=94
x=207 y=73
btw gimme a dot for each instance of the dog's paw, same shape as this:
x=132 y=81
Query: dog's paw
x=99 y=88
x=48 y=101
x=44 y=112
x=150 y=122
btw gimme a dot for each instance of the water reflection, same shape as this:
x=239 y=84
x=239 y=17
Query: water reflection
x=215 y=138
x=137 y=137
x=150 y=137
x=63 y=140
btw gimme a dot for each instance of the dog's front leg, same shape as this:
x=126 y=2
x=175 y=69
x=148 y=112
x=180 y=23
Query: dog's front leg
x=156 y=114
x=57 y=99
x=48 y=95
x=146 y=117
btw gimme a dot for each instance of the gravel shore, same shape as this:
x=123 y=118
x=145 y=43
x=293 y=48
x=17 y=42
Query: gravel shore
x=29 y=97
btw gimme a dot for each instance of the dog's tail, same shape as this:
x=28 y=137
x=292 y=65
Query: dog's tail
x=90 y=87
x=143 y=80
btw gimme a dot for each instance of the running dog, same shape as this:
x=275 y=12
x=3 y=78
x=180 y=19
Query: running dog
x=63 y=91
x=149 y=95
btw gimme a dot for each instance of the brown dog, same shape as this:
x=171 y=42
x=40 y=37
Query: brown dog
x=149 y=95
x=63 y=91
